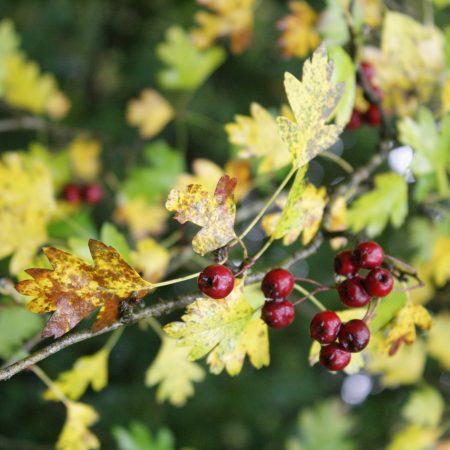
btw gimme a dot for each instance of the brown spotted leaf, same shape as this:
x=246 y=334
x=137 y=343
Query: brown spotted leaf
x=214 y=213
x=73 y=288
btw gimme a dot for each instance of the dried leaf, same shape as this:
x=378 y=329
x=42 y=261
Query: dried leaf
x=313 y=101
x=214 y=213
x=74 y=289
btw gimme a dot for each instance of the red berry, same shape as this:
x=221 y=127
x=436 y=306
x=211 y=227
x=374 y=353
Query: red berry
x=72 y=193
x=334 y=357
x=373 y=115
x=354 y=335
x=379 y=282
x=325 y=327
x=355 y=121
x=368 y=255
x=277 y=284
x=216 y=281
x=278 y=313
x=368 y=70
x=352 y=292
x=344 y=264
x=92 y=193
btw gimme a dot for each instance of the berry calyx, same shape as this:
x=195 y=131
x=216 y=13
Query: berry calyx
x=352 y=292
x=368 y=255
x=72 y=193
x=333 y=357
x=325 y=327
x=356 y=120
x=216 y=281
x=278 y=314
x=354 y=335
x=277 y=284
x=379 y=282
x=92 y=193
x=344 y=264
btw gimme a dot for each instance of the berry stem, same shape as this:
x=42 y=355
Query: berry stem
x=113 y=339
x=309 y=280
x=252 y=261
x=371 y=310
x=342 y=163
x=310 y=296
x=176 y=280
x=156 y=327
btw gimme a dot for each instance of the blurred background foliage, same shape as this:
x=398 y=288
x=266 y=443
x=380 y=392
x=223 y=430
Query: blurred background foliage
x=102 y=52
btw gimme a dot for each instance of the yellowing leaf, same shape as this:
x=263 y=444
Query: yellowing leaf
x=75 y=434
x=338 y=221
x=414 y=437
x=74 y=289
x=371 y=11
x=26 y=206
x=439 y=338
x=151 y=112
x=150 y=258
x=425 y=407
x=227 y=329
x=313 y=101
x=84 y=156
x=87 y=370
x=232 y=18
x=173 y=373
x=298 y=36
x=257 y=136
x=57 y=106
x=388 y=201
x=440 y=261
x=214 y=213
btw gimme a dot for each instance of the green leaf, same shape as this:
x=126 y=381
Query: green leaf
x=387 y=310
x=388 y=201
x=425 y=407
x=17 y=324
x=9 y=43
x=110 y=235
x=188 y=67
x=138 y=437
x=154 y=180
x=333 y=25
x=441 y=3
x=329 y=416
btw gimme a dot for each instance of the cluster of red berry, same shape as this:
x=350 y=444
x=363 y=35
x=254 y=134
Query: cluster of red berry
x=339 y=340
x=91 y=193
x=372 y=116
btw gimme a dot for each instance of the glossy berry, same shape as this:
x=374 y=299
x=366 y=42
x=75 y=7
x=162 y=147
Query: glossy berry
x=373 y=115
x=368 y=255
x=325 y=327
x=216 y=281
x=356 y=120
x=72 y=193
x=277 y=284
x=334 y=357
x=379 y=282
x=278 y=313
x=92 y=193
x=353 y=293
x=354 y=335
x=344 y=264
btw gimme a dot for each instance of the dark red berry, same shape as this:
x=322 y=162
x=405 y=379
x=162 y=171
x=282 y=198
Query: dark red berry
x=368 y=255
x=368 y=70
x=373 y=115
x=278 y=313
x=216 y=281
x=334 y=357
x=325 y=327
x=277 y=284
x=352 y=292
x=344 y=264
x=72 y=193
x=355 y=121
x=379 y=282
x=354 y=335
x=92 y=193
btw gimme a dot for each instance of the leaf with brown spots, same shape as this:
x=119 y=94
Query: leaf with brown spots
x=214 y=213
x=73 y=288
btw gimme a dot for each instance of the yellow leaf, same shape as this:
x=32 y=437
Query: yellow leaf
x=439 y=338
x=75 y=434
x=298 y=36
x=214 y=213
x=173 y=373
x=150 y=258
x=84 y=156
x=371 y=11
x=232 y=18
x=415 y=437
x=87 y=370
x=440 y=261
x=26 y=207
x=338 y=221
x=58 y=105
x=74 y=288
x=141 y=217
x=151 y=112
x=241 y=170
x=313 y=101
x=227 y=329
x=257 y=136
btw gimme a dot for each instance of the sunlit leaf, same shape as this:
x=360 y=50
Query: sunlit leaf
x=415 y=437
